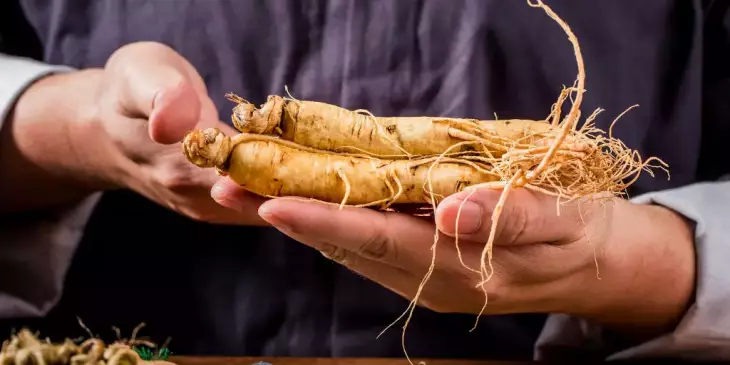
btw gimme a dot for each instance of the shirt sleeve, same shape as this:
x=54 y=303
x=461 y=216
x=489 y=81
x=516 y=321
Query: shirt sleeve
x=703 y=333
x=35 y=249
x=17 y=74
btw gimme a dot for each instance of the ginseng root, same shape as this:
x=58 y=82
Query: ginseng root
x=271 y=167
x=329 y=127
x=25 y=348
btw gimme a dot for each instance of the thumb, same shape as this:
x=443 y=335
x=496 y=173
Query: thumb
x=526 y=218
x=175 y=111
x=155 y=83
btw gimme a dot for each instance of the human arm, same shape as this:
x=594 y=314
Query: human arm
x=40 y=118
x=703 y=330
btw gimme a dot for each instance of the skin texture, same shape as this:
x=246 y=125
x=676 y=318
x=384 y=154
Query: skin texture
x=544 y=262
x=332 y=128
x=118 y=129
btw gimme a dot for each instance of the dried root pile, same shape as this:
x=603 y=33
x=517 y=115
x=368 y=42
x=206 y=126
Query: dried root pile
x=25 y=348
x=318 y=151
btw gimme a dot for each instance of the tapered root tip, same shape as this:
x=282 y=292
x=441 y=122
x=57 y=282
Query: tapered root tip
x=248 y=119
x=207 y=148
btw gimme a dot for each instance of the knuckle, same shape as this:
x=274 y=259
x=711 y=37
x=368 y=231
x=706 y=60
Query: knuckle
x=134 y=49
x=336 y=254
x=519 y=221
x=492 y=297
x=378 y=246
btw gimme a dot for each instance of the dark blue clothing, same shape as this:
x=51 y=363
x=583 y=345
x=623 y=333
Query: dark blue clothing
x=252 y=291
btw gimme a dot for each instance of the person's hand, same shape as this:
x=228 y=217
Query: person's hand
x=120 y=127
x=543 y=262
x=151 y=97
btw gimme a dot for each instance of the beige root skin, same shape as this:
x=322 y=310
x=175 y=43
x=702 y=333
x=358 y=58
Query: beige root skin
x=329 y=127
x=207 y=148
x=271 y=167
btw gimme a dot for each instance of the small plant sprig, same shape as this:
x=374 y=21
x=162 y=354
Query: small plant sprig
x=146 y=354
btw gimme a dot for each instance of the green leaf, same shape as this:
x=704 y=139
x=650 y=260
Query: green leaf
x=163 y=354
x=144 y=353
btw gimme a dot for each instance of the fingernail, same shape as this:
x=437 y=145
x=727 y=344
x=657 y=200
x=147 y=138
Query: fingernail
x=469 y=219
x=273 y=220
x=218 y=194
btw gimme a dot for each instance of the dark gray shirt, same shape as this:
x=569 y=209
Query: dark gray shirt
x=240 y=290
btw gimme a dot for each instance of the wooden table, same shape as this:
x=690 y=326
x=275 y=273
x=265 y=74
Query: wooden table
x=185 y=360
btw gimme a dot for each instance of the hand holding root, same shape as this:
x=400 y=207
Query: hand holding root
x=150 y=97
x=385 y=162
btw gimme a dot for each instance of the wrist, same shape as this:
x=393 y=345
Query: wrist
x=53 y=144
x=648 y=274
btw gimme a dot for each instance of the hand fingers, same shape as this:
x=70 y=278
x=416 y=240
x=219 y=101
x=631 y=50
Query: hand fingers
x=395 y=239
x=154 y=83
x=435 y=294
x=359 y=239
x=390 y=248
x=227 y=193
x=199 y=206
x=175 y=111
x=396 y=279
x=527 y=217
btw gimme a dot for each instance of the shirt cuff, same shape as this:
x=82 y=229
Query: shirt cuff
x=703 y=333
x=17 y=74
